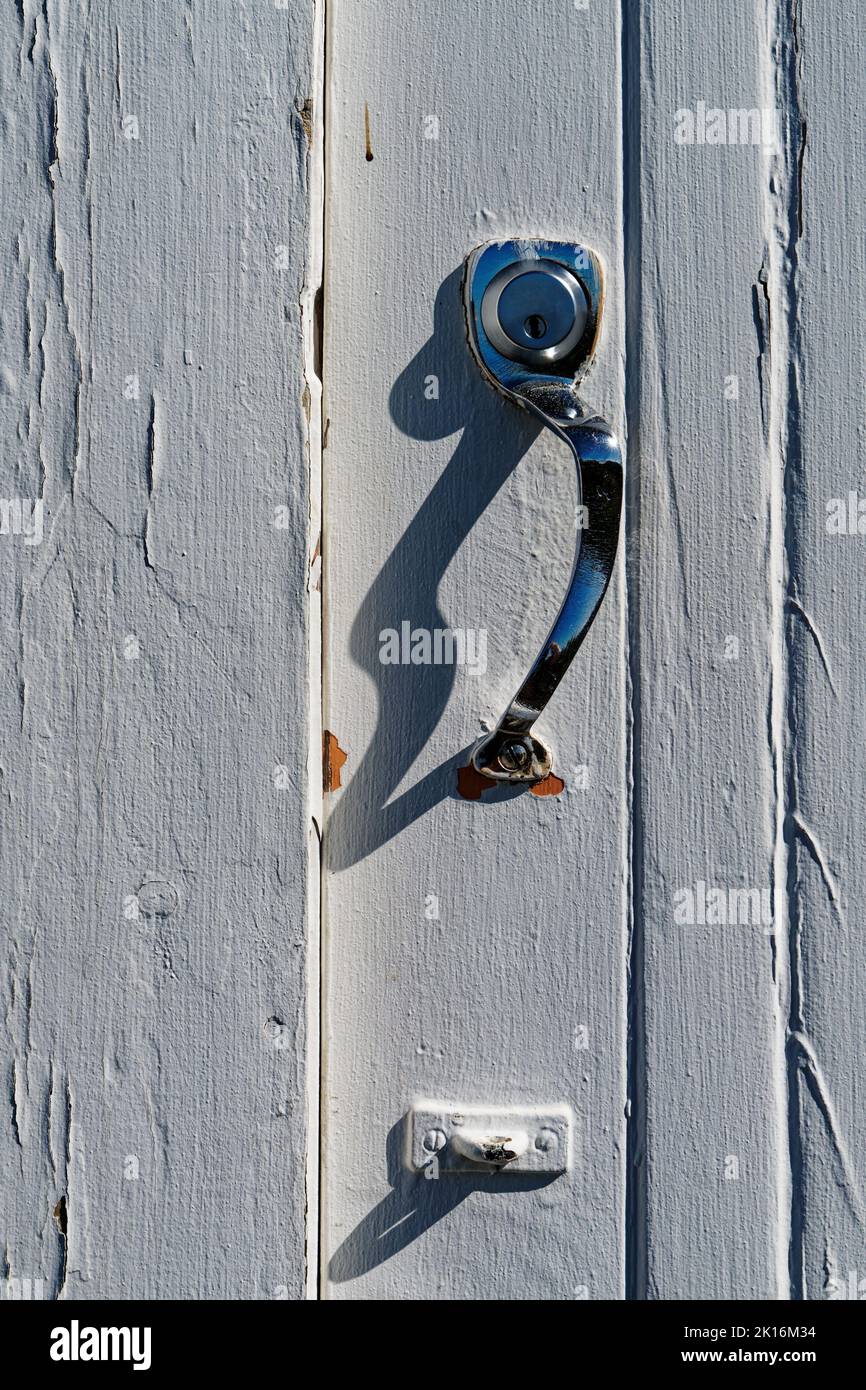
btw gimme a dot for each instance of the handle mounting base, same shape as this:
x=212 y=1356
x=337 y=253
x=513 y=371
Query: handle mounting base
x=504 y=756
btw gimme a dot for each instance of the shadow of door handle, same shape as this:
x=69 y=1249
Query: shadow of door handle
x=533 y=311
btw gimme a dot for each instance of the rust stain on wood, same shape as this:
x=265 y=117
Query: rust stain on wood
x=333 y=759
x=551 y=785
x=367 y=137
x=471 y=784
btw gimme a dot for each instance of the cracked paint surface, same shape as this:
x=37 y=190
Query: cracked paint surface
x=151 y=380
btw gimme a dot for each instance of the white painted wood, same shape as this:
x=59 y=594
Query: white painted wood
x=161 y=252
x=709 y=1081
x=822 y=82
x=476 y=953
x=155 y=664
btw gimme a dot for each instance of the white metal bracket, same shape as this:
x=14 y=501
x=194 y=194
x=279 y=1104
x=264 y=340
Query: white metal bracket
x=480 y=1138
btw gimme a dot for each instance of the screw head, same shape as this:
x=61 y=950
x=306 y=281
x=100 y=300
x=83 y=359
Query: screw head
x=433 y=1141
x=545 y=1140
x=514 y=756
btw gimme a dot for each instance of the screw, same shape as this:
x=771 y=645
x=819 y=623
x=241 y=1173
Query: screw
x=458 y=1119
x=535 y=326
x=433 y=1141
x=545 y=1140
x=514 y=756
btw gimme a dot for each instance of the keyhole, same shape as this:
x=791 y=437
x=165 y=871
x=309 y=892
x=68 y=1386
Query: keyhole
x=535 y=326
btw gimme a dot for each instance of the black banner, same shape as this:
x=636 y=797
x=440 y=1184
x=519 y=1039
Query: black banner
x=160 y=1339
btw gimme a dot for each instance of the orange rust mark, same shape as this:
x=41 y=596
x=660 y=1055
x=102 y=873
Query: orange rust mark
x=367 y=137
x=550 y=786
x=470 y=783
x=333 y=759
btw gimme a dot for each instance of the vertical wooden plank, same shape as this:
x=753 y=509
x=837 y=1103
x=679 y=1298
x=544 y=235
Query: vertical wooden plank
x=155 y=684
x=710 y=1143
x=822 y=93
x=476 y=952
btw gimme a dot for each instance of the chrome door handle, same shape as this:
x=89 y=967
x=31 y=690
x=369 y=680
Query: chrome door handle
x=533 y=311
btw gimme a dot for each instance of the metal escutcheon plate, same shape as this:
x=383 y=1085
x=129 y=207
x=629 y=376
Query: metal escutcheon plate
x=477 y=1139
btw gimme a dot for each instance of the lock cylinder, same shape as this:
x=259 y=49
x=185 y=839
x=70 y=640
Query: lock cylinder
x=534 y=312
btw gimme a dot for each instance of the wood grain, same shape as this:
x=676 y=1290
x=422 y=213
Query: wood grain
x=668 y=941
x=822 y=84
x=711 y=1134
x=155 y=689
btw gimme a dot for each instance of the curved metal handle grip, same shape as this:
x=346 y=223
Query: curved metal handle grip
x=534 y=311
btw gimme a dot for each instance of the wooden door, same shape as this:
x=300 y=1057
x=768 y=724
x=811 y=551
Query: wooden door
x=247 y=456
